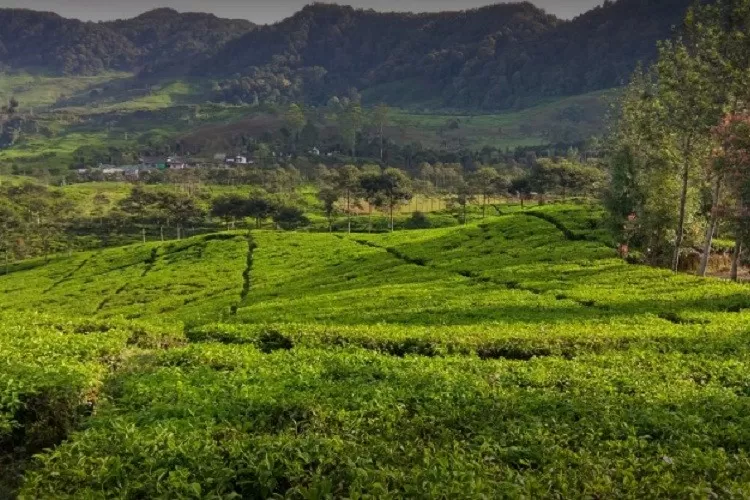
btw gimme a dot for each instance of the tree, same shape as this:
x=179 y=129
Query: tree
x=329 y=196
x=347 y=183
x=139 y=204
x=53 y=218
x=289 y=218
x=688 y=110
x=309 y=136
x=663 y=146
x=484 y=182
x=180 y=208
x=395 y=187
x=295 y=120
x=622 y=198
x=7 y=112
x=259 y=208
x=721 y=27
x=11 y=225
x=101 y=201
x=350 y=123
x=263 y=153
x=461 y=198
x=567 y=176
x=733 y=164
x=636 y=191
x=380 y=118
x=370 y=184
x=521 y=187
x=229 y=208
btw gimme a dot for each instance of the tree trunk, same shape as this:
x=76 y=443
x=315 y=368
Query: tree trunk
x=710 y=230
x=161 y=233
x=369 y=219
x=348 y=213
x=7 y=262
x=179 y=232
x=681 y=222
x=736 y=258
x=391 y=217
x=381 y=144
x=143 y=234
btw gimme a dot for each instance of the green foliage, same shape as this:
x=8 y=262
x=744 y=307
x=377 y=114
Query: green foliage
x=139 y=281
x=216 y=420
x=455 y=60
x=517 y=353
x=155 y=41
x=418 y=220
x=665 y=141
x=288 y=218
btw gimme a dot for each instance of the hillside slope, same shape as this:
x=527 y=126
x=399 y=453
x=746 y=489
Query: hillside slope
x=505 y=55
x=514 y=355
x=48 y=43
x=497 y=57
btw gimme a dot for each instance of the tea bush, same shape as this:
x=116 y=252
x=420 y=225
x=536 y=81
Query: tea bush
x=515 y=356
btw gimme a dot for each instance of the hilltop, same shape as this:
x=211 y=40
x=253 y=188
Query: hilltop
x=48 y=43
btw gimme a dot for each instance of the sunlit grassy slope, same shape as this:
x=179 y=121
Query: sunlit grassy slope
x=568 y=119
x=37 y=91
x=516 y=355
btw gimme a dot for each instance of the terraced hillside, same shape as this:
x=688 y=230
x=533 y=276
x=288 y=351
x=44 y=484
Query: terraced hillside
x=513 y=358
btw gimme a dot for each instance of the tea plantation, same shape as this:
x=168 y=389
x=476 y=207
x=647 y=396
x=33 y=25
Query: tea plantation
x=513 y=358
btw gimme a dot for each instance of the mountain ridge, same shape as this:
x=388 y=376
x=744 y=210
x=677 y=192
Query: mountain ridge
x=501 y=56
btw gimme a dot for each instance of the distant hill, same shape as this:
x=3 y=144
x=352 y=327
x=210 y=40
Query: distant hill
x=163 y=38
x=498 y=57
x=502 y=56
x=46 y=42
x=170 y=42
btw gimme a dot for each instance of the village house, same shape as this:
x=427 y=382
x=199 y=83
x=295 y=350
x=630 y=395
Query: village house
x=239 y=160
x=153 y=162
x=176 y=163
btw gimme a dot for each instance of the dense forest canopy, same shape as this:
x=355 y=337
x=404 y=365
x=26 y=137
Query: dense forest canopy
x=497 y=57
x=47 y=42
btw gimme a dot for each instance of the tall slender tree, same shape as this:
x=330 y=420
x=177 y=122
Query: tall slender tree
x=380 y=117
x=347 y=184
x=687 y=111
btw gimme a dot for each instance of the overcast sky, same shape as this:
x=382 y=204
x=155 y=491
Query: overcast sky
x=265 y=11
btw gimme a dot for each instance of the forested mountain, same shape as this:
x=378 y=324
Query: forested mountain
x=339 y=48
x=47 y=42
x=169 y=42
x=506 y=55
x=162 y=38
x=497 y=57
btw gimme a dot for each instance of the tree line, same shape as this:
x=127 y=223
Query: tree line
x=36 y=220
x=680 y=158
